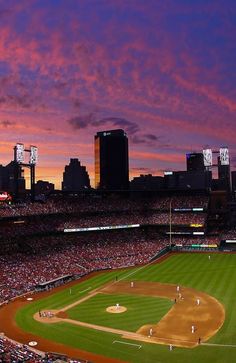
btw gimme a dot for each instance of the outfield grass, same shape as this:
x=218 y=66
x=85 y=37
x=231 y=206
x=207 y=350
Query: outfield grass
x=216 y=277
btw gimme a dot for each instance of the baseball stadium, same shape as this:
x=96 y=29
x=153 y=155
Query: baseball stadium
x=137 y=278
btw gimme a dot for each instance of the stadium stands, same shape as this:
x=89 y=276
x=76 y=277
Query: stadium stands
x=13 y=352
x=34 y=249
x=230 y=234
x=54 y=256
x=92 y=204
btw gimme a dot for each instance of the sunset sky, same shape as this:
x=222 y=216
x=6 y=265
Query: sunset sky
x=163 y=70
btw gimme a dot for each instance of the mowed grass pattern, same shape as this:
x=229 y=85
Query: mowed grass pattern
x=216 y=277
x=141 y=310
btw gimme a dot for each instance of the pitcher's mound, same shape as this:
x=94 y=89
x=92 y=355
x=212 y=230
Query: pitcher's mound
x=116 y=310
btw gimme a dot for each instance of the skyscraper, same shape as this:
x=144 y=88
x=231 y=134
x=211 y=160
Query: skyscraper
x=111 y=160
x=75 y=177
x=195 y=162
x=233 y=178
x=223 y=175
x=12 y=179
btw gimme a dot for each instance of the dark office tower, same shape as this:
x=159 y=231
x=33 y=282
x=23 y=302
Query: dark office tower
x=147 y=182
x=44 y=187
x=75 y=177
x=2 y=172
x=233 y=179
x=194 y=162
x=223 y=176
x=111 y=160
x=13 y=178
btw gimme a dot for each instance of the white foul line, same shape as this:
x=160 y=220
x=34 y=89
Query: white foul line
x=219 y=345
x=119 y=341
x=138 y=269
x=85 y=290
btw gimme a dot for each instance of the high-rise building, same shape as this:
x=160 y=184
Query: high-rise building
x=12 y=179
x=43 y=187
x=195 y=162
x=111 y=160
x=75 y=177
x=223 y=176
x=147 y=182
x=233 y=178
x=188 y=180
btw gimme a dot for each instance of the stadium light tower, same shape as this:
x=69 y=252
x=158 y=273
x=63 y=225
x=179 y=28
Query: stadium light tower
x=170 y=221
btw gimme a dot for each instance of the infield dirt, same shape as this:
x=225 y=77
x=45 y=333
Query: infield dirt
x=190 y=308
x=176 y=326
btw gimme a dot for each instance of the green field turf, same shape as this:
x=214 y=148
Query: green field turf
x=217 y=277
x=140 y=311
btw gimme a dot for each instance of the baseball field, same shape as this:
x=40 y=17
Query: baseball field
x=136 y=315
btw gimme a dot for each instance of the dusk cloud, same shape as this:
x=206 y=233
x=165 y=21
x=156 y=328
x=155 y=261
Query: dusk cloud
x=164 y=73
x=82 y=122
x=6 y=123
x=131 y=128
x=86 y=121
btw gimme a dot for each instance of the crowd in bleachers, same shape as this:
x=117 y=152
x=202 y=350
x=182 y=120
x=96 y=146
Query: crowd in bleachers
x=135 y=218
x=230 y=234
x=184 y=241
x=183 y=201
x=56 y=215
x=13 y=352
x=54 y=256
x=46 y=223
x=48 y=258
x=94 y=204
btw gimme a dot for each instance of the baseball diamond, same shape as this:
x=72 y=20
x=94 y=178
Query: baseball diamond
x=80 y=326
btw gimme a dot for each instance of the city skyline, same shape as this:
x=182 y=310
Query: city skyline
x=164 y=72
x=114 y=168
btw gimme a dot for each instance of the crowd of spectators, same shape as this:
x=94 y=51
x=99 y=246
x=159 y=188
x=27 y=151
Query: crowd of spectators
x=57 y=215
x=13 y=352
x=51 y=223
x=50 y=257
x=95 y=204
x=47 y=258
x=230 y=234
x=179 y=202
x=184 y=241
x=177 y=218
x=135 y=218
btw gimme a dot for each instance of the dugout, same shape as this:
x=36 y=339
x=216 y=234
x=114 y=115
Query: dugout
x=228 y=245
x=55 y=282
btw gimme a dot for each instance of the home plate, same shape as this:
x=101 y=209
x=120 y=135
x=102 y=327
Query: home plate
x=33 y=343
x=29 y=298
